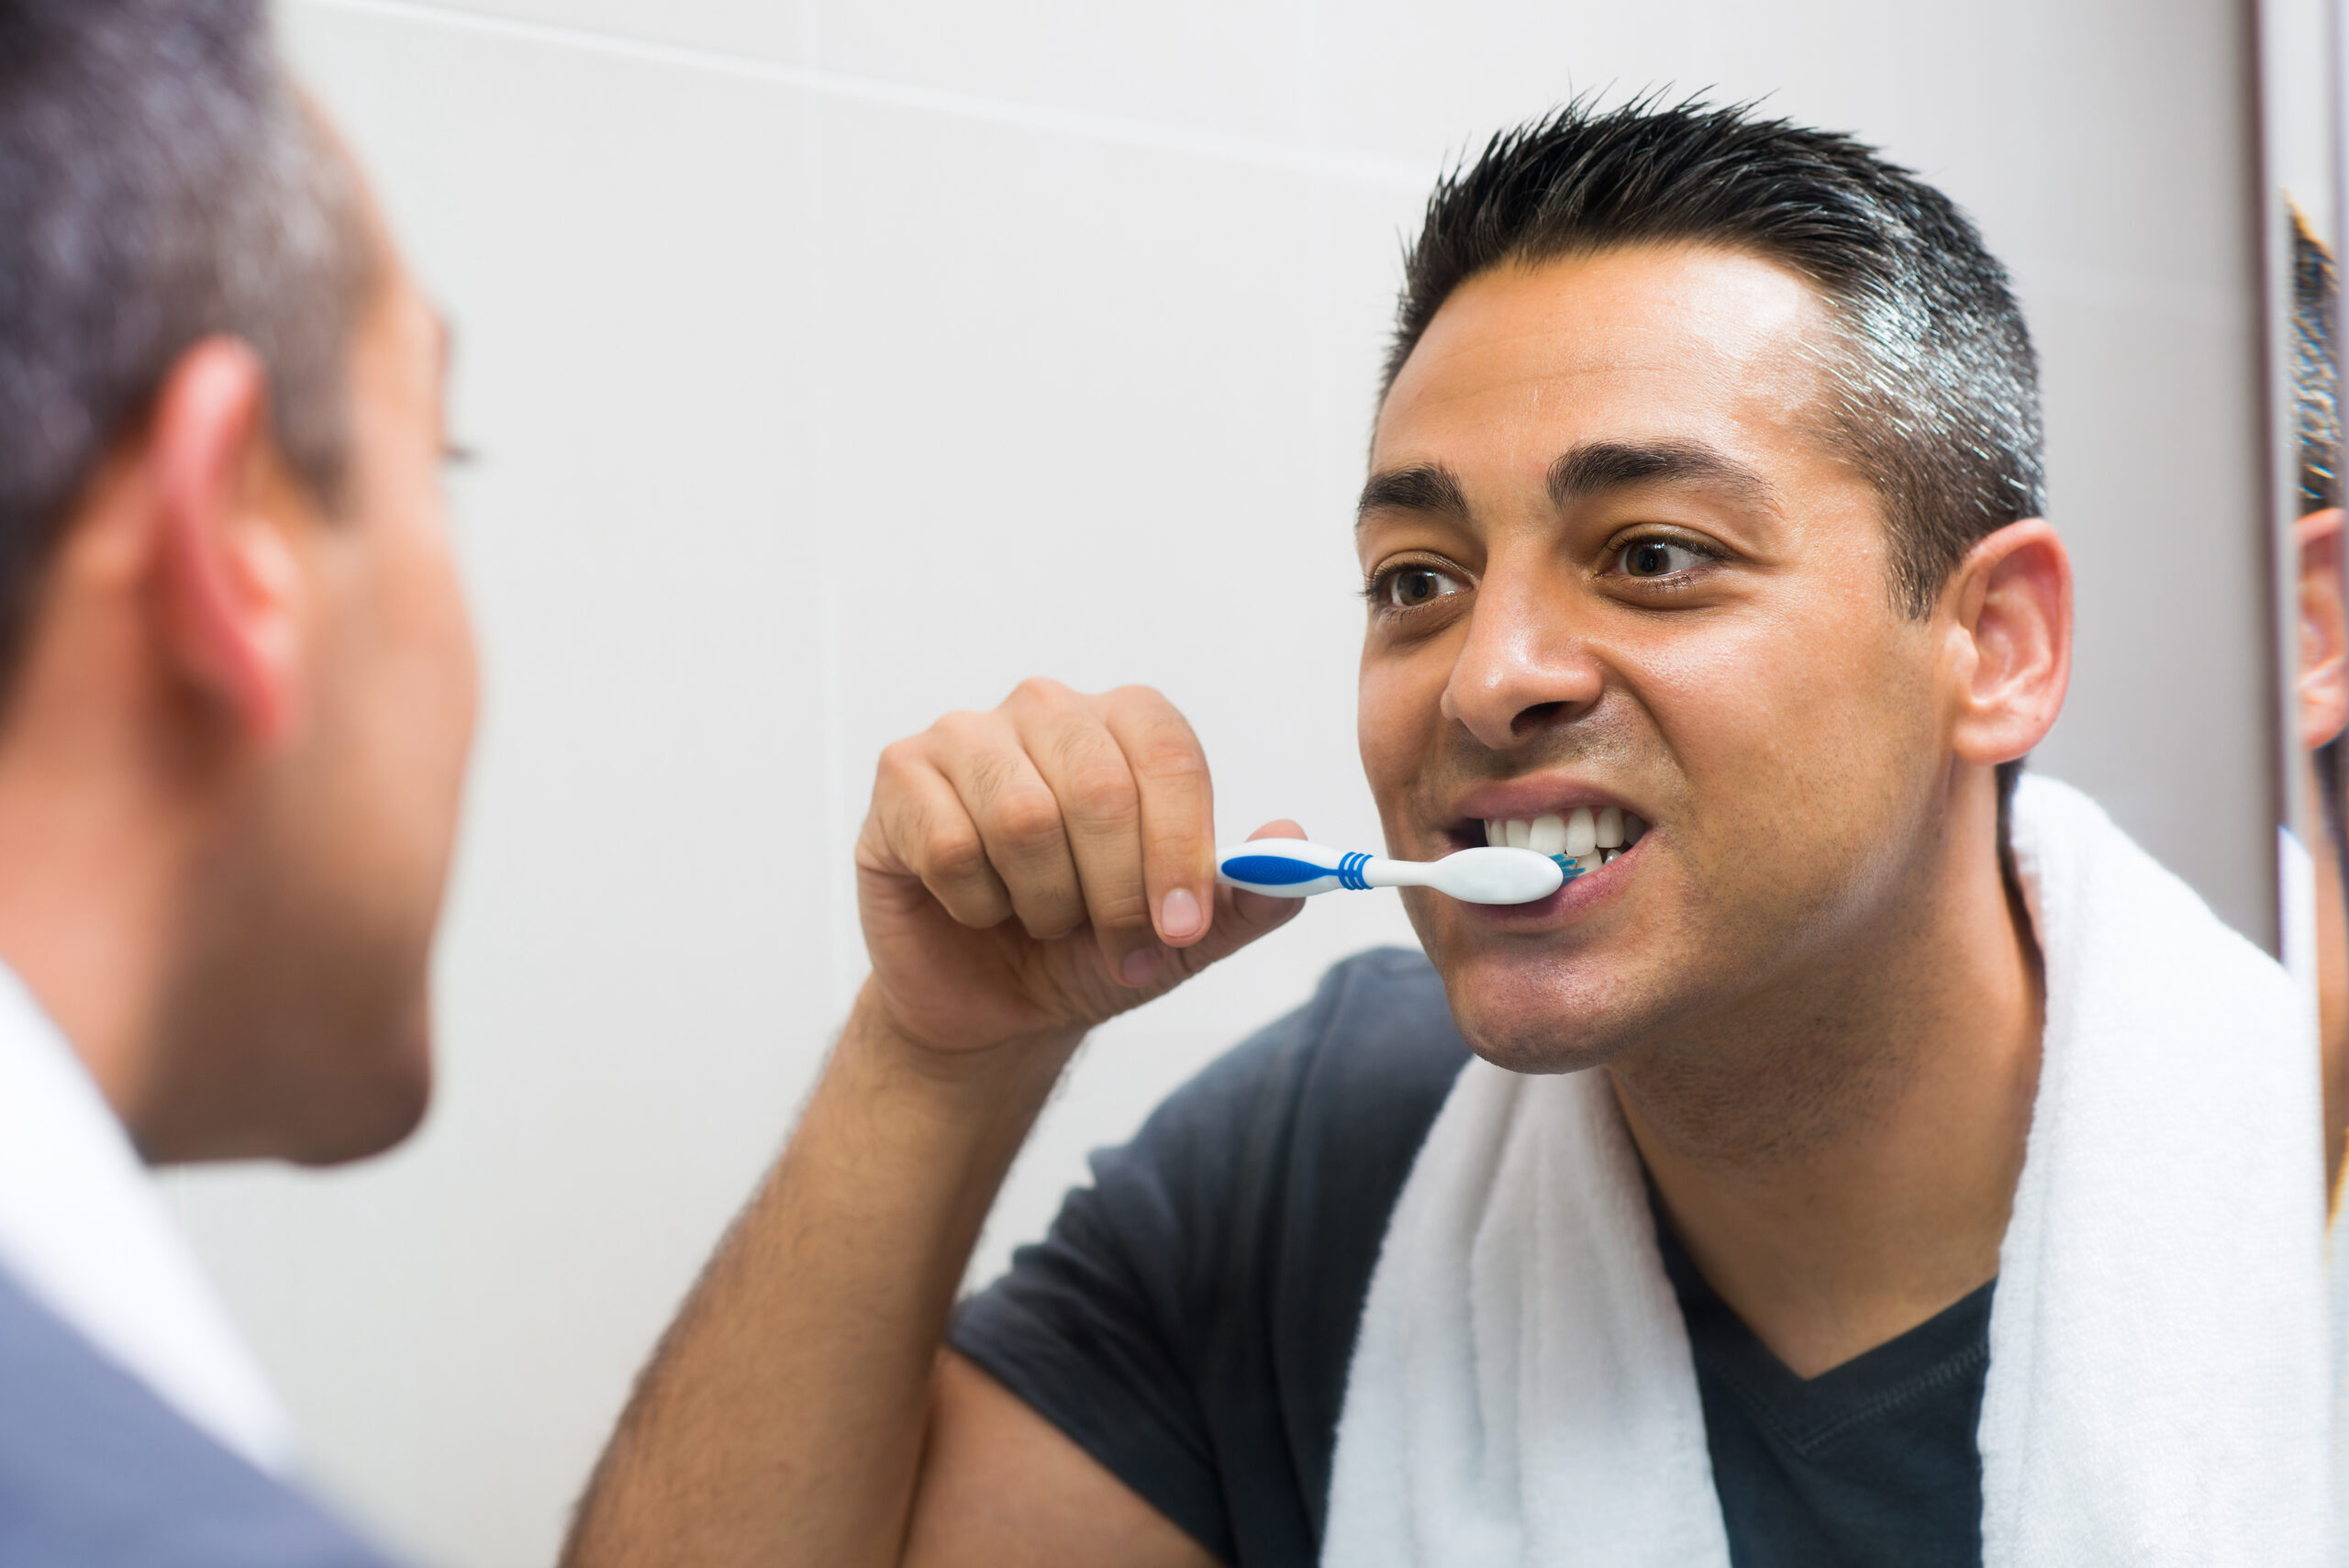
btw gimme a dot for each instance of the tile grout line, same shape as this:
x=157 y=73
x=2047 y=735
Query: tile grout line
x=1209 y=145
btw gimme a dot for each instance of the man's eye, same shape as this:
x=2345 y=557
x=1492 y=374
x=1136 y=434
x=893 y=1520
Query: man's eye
x=1658 y=558
x=1408 y=587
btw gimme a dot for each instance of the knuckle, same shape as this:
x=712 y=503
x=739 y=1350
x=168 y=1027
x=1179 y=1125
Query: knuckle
x=960 y=730
x=1173 y=847
x=1103 y=790
x=1039 y=690
x=900 y=761
x=1171 y=757
x=1028 y=818
x=955 y=854
x=1120 y=911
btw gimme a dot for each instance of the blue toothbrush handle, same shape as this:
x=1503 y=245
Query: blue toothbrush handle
x=1291 y=868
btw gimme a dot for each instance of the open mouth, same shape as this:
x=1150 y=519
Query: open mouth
x=1586 y=838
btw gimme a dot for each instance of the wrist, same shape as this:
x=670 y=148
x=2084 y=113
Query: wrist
x=1016 y=1063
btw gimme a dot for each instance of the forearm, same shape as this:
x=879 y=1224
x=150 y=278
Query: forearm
x=782 y=1419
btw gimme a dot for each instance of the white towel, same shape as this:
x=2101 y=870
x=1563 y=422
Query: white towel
x=1522 y=1392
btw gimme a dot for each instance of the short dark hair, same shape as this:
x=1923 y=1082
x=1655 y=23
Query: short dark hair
x=2316 y=423
x=1934 y=388
x=2316 y=375
x=1933 y=383
x=160 y=182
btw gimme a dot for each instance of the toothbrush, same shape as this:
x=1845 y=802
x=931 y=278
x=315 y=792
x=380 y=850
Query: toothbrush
x=1291 y=868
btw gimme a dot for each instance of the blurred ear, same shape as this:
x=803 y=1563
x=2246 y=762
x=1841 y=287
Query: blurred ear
x=2322 y=687
x=2010 y=638
x=227 y=577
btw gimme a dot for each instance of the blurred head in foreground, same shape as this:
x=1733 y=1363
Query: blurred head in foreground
x=237 y=682
x=2323 y=690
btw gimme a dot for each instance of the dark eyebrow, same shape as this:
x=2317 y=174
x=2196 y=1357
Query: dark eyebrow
x=1422 y=487
x=1577 y=474
x=1588 y=471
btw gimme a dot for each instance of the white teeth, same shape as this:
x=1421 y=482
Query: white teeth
x=1582 y=833
x=1584 y=837
x=1593 y=838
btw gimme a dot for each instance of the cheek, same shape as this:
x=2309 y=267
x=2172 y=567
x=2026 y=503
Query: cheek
x=1398 y=717
x=1790 y=727
x=421 y=677
x=451 y=632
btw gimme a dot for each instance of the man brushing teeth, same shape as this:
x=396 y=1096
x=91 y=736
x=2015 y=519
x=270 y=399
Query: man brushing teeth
x=1839 y=1169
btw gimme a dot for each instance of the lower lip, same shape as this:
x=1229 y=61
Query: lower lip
x=1573 y=897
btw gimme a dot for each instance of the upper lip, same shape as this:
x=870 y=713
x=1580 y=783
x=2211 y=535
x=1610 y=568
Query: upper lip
x=1524 y=799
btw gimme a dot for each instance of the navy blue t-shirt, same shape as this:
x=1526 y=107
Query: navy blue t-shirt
x=1189 y=1319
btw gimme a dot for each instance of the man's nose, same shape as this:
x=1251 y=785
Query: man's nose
x=1525 y=667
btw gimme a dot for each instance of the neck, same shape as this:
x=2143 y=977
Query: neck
x=1841 y=1158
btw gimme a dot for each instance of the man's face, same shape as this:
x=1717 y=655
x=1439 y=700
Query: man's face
x=325 y=899
x=1613 y=563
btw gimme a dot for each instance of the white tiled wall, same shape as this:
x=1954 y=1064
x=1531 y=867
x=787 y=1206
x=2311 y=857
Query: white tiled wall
x=834 y=363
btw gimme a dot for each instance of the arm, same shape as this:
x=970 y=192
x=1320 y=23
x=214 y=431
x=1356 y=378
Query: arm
x=1002 y=1484
x=1022 y=876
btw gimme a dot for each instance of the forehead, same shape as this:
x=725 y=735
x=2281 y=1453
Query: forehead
x=1681 y=343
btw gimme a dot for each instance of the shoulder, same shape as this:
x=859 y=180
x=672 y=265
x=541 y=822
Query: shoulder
x=95 y=1469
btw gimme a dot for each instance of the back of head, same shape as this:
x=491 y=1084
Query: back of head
x=1934 y=387
x=237 y=674
x=160 y=183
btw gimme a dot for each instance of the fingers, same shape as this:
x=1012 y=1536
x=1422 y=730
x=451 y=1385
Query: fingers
x=1018 y=816
x=1254 y=914
x=1066 y=811
x=918 y=827
x=1108 y=804
x=1177 y=810
x=1240 y=917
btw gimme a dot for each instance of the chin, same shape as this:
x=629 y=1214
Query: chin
x=1534 y=1012
x=367 y=1108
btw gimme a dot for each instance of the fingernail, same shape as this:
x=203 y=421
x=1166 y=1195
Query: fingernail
x=1178 y=915
x=1140 y=967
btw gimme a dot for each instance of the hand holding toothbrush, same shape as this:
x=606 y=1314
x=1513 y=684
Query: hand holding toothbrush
x=1028 y=873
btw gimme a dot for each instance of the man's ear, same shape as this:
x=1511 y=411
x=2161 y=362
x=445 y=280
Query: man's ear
x=2323 y=688
x=226 y=578
x=2011 y=603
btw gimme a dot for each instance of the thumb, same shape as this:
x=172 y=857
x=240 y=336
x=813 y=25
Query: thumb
x=1239 y=916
